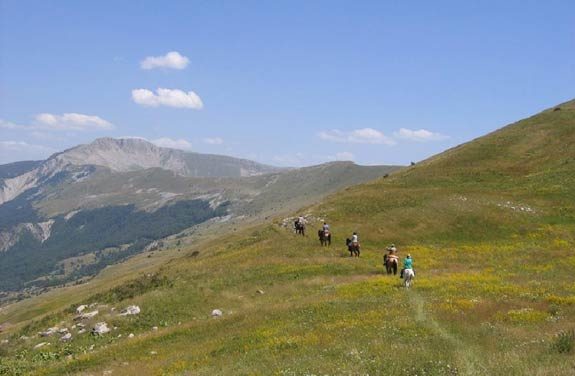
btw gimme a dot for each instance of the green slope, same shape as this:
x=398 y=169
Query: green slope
x=127 y=211
x=490 y=225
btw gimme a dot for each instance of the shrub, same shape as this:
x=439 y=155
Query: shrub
x=564 y=341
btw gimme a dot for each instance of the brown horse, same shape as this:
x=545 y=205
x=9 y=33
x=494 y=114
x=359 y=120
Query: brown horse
x=390 y=264
x=354 y=249
x=324 y=237
x=299 y=228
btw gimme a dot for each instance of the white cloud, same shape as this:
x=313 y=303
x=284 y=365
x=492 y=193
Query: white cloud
x=172 y=60
x=357 y=136
x=421 y=135
x=20 y=145
x=167 y=97
x=72 y=122
x=167 y=142
x=213 y=140
x=12 y=151
x=65 y=122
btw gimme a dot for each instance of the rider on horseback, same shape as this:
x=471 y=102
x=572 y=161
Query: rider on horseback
x=299 y=225
x=390 y=255
x=353 y=245
x=325 y=229
x=390 y=260
x=407 y=264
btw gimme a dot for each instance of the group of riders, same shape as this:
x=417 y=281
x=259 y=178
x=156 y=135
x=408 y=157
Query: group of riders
x=390 y=258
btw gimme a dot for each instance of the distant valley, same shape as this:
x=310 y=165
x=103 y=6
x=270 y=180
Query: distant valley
x=93 y=205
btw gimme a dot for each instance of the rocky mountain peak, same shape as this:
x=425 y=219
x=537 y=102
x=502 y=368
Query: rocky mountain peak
x=124 y=155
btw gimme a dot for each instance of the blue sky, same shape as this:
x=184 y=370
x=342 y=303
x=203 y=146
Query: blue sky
x=282 y=82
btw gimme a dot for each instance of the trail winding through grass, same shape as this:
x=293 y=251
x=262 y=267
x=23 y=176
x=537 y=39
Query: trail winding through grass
x=467 y=356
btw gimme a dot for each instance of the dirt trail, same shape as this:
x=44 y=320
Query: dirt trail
x=467 y=356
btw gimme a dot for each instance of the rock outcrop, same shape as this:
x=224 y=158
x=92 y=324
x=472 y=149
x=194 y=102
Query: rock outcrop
x=130 y=310
x=100 y=328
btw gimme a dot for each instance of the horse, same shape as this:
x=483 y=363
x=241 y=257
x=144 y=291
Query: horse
x=390 y=264
x=324 y=237
x=299 y=228
x=354 y=249
x=408 y=276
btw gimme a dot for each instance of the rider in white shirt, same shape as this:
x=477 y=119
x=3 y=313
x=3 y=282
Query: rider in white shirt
x=354 y=239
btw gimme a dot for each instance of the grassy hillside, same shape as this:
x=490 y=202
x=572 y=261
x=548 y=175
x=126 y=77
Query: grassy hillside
x=490 y=225
x=127 y=211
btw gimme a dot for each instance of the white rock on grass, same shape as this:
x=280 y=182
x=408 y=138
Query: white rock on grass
x=154 y=328
x=131 y=310
x=131 y=335
x=66 y=337
x=100 y=328
x=41 y=344
x=48 y=332
x=87 y=315
x=82 y=331
x=81 y=308
x=4 y=342
x=217 y=313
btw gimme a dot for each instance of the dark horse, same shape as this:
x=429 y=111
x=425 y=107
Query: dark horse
x=299 y=228
x=324 y=237
x=390 y=264
x=352 y=248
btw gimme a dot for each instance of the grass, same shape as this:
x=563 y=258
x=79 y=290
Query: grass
x=493 y=294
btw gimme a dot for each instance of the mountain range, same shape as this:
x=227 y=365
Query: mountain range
x=490 y=228
x=92 y=205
